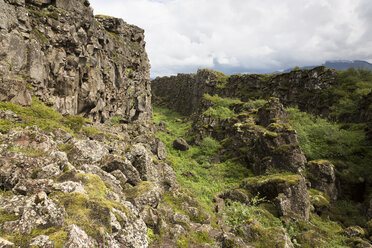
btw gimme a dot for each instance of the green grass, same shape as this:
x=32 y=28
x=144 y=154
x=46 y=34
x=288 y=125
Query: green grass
x=38 y=114
x=221 y=106
x=206 y=182
x=322 y=139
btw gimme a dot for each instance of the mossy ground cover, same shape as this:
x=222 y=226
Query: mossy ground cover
x=38 y=114
x=205 y=180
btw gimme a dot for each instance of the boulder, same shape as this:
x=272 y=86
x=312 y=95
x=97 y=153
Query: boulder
x=76 y=237
x=265 y=237
x=354 y=232
x=180 y=144
x=321 y=174
x=87 y=152
x=235 y=195
x=288 y=192
x=112 y=163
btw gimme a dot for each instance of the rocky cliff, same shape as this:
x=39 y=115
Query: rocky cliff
x=302 y=88
x=78 y=63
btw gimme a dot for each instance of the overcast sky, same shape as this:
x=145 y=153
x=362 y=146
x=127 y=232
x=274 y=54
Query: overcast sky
x=238 y=36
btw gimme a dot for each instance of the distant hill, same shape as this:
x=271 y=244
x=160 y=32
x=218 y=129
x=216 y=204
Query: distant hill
x=341 y=65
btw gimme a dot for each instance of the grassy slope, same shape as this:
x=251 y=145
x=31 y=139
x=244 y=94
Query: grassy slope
x=206 y=183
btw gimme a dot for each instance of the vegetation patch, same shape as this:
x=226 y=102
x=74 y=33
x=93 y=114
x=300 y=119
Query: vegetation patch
x=221 y=107
x=38 y=114
x=138 y=190
x=237 y=213
x=91 y=212
x=209 y=179
x=281 y=178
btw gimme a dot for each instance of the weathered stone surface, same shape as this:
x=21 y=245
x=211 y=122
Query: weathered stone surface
x=180 y=144
x=321 y=174
x=144 y=194
x=267 y=237
x=287 y=192
x=15 y=91
x=135 y=232
x=87 y=152
x=42 y=241
x=113 y=163
x=29 y=186
x=94 y=66
x=77 y=238
x=6 y=244
x=70 y=187
x=142 y=160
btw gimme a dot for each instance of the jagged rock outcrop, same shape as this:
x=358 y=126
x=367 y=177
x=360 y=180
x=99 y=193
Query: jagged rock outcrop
x=321 y=175
x=264 y=139
x=184 y=92
x=80 y=64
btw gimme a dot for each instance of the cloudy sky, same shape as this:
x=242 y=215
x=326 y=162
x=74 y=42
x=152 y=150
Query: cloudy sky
x=238 y=36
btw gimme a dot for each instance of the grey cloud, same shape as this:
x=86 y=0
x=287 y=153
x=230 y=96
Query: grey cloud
x=246 y=35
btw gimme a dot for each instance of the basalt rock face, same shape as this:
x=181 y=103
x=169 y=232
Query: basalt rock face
x=301 y=88
x=81 y=64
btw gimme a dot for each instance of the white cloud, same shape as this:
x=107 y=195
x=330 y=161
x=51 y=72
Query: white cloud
x=246 y=35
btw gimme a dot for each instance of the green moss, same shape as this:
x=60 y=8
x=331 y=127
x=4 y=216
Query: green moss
x=5 y=216
x=282 y=178
x=28 y=151
x=348 y=213
x=91 y=212
x=37 y=114
x=40 y=36
x=267 y=237
x=104 y=16
x=318 y=199
x=193 y=238
x=219 y=112
x=254 y=104
x=177 y=204
x=67 y=148
x=75 y=122
x=152 y=238
x=117 y=120
x=221 y=101
x=138 y=190
x=90 y=131
x=59 y=238
x=5 y=126
x=45 y=14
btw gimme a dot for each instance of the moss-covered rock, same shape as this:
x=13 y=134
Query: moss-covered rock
x=288 y=191
x=262 y=237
